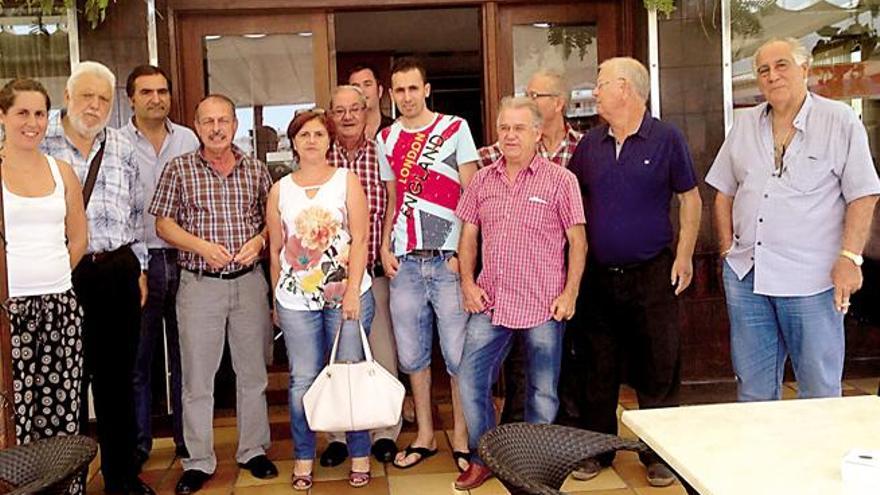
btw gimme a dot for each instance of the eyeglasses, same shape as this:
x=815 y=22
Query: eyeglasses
x=535 y=95
x=339 y=112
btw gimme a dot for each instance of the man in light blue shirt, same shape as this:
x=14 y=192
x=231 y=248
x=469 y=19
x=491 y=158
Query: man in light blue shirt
x=796 y=193
x=156 y=141
x=109 y=281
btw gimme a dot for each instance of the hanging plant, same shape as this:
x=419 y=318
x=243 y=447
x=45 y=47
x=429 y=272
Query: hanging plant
x=94 y=11
x=569 y=38
x=667 y=7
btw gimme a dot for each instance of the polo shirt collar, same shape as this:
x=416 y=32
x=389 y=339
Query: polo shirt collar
x=644 y=130
x=134 y=129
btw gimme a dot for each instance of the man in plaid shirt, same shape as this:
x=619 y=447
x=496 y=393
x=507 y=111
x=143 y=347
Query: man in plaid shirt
x=210 y=204
x=527 y=210
x=558 y=139
x=352 y=149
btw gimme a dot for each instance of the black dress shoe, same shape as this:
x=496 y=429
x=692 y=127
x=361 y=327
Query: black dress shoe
x=136 y=486
x=335 y=454
x=384 y=450
x=261 y=467
x=181 y=452
x=191 y=482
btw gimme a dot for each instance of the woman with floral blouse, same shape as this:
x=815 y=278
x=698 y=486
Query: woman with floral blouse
x=318 y=223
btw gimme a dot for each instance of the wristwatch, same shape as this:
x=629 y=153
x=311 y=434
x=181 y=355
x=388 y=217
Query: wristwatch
x=857 y=259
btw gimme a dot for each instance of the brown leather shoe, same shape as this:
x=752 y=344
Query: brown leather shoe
x=475 y=475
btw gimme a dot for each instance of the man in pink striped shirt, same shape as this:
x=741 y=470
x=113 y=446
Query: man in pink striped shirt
x=527 y=209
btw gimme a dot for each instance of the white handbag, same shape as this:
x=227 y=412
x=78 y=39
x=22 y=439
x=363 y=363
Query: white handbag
x=353 y=396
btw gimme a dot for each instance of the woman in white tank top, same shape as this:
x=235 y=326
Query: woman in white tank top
x=318 y=223
x=46 y=234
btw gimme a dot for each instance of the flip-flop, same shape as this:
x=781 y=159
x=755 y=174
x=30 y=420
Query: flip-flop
x=458 y=455
x=358 y=479
x=422 y=452
x=301 y=482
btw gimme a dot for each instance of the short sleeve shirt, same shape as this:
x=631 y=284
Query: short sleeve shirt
x=627 y=196
x=523 y=225
x=224 y=210
x=424 y=164
x=789 y=226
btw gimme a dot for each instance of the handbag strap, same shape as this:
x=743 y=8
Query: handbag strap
x=92 y=177
x=368 y=353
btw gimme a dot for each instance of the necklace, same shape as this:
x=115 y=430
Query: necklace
x=779 y=147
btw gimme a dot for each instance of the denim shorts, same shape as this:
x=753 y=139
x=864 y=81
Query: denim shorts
x=422 y=289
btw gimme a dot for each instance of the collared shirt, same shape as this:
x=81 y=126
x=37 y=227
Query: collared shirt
x=561 y=156
x=789 y=227
x=366 y=166
x=224 y=210
x=627 y=197
x=523 y=225
x=178 y=141
x=116 y=209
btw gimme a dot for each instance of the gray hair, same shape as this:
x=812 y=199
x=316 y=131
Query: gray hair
x=633 y=71
x=91 y=68
x=360 y=93
x=799 y=52
x=558 y=83
x=517 y=102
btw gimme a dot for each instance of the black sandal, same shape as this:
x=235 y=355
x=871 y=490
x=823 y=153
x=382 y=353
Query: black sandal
x=422 y=452
x=458 y=455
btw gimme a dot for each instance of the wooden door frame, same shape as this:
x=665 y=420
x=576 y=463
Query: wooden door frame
x=628 y=18
x=189 y=29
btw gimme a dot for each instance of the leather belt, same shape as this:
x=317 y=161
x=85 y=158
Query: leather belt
x=223 y=275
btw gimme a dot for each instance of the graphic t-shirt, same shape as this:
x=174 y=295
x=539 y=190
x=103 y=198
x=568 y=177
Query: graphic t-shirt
x=424 y=165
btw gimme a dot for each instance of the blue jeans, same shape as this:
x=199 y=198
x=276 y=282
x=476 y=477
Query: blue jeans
x=308 y=336
x=163 y=277
x=765 y=330
x=425 y=287
x=485 y=347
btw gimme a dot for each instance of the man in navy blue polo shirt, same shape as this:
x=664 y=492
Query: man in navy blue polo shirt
x=629 y=170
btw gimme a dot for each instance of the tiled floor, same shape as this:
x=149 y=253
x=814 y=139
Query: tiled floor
x=434 y=476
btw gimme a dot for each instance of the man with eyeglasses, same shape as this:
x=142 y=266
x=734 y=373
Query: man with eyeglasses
x=211 y=204
x=796 y=193
x=629 y=169
x=548 y=89
x=558 y=139
x=352 y=149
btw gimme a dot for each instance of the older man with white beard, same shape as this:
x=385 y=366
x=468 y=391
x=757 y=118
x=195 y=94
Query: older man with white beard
x=109 y=281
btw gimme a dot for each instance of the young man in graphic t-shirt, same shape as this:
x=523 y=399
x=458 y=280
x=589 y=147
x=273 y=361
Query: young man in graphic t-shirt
x=428 y=159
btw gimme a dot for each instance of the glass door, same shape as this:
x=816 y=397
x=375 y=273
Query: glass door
x=570 y=38
x=270 y=66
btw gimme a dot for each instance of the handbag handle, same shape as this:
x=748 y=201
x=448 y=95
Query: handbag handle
x=368 y=353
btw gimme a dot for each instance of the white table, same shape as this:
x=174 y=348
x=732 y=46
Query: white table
x=780 y=447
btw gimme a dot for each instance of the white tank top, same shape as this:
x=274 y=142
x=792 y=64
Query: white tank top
x=314 y=258
x=37 y=258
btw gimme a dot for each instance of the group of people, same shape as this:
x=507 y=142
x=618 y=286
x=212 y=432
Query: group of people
x=115 y=236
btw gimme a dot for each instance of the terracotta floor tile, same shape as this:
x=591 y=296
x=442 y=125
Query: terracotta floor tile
x=279 y=489
x=675 y=489
x=491 y=487
x=377 y=486
x=607 y=480
x=623 y=491
x=868 y=385
x=425 y=484
x=159 y=459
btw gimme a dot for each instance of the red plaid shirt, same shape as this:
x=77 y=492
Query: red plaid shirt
x=366 y=166
x=523 y=225
x=492 y=153
x=223 y=210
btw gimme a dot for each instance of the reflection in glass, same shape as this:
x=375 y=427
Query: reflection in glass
x=568 y=49
x=35 y=45
x=269 y=77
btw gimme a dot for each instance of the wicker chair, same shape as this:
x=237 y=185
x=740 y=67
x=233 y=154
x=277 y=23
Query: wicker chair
x=45 y=466
x=536 y=459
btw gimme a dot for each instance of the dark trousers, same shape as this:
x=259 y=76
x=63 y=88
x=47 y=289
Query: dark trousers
x=628 y=317
x=159 y=317
x=107 y=288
